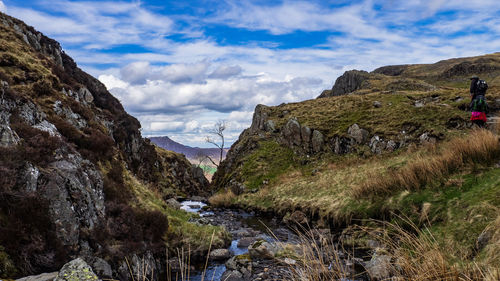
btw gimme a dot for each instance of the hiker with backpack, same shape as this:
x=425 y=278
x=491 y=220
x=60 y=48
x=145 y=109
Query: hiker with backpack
x=478 y=104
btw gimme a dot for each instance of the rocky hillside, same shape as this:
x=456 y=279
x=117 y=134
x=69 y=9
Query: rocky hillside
x=76 y=177
x=389 y=109
x=384 y=145
x=192 y=153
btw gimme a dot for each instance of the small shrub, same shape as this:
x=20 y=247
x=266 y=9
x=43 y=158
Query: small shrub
x=43 y=88
x=136 y=229
x=38 y=146
x=28 y=235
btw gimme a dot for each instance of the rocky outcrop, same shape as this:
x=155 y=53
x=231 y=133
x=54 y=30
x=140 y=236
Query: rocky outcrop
x=349 y=82
x=301 y=138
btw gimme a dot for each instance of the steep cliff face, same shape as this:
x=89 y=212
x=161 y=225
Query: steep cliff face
x=71 y=162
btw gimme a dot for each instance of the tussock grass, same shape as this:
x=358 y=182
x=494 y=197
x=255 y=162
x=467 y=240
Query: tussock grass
x=414 y=253
x=480 y=147
x=418 y=256
x=222 y=199
x=319 y=260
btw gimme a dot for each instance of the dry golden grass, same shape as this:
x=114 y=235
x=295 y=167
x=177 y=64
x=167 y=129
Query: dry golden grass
x=418 y=256
x=222 y=199
x=479 y=147
x=320 y=260
x=492 y=250
x=415 y=255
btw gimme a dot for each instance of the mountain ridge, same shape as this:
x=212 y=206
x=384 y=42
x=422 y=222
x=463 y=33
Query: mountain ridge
x=192 y=153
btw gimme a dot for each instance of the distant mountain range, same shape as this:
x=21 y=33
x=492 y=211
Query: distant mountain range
x=191 y=152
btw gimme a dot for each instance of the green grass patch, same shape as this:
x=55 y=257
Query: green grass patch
x=268 y=162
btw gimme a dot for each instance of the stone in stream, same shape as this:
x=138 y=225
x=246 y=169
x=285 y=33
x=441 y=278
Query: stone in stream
x=379 y=267
x=262 y=249
x=238 y=268
x=219 y=254
x=232 y=275
x=246 y=241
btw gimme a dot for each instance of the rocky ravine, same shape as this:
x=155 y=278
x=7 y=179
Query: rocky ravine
x=70 y=158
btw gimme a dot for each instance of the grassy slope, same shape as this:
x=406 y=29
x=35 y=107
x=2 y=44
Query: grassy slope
x=458 y=205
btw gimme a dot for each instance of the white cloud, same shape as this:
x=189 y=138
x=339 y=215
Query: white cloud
x=180 y=88
x=2 y=7
x=166 y=105
x=98 y=25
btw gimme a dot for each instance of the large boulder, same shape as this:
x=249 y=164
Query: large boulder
x=76 y=269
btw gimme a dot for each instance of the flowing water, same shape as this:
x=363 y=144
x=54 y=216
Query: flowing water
x=236 y=222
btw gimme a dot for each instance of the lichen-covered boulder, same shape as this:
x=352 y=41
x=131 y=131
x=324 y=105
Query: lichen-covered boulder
x=76 y=270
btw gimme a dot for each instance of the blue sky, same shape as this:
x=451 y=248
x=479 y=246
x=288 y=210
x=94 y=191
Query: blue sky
x=180 y=66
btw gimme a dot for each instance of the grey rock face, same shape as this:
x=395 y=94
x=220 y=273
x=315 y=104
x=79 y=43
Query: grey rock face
x=48 y=127
x=270 y=126
x=76 y=269
x=349 y=82
x=49 y=48
x=74 y=189
x=292 y=133
x=8 y=137
x=259 y=118
x=85 y=95
x=305 y=134
x=101 y=267
x=68 y=115
x=358 y=134
x=317 y=141
x=30 y=177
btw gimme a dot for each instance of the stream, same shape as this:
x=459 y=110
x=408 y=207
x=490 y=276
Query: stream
x=246 y=228
x=241 y=225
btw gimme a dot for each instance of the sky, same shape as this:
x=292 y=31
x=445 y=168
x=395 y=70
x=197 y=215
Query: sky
x=181 y=66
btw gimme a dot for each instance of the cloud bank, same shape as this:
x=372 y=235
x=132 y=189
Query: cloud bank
x=181 y=66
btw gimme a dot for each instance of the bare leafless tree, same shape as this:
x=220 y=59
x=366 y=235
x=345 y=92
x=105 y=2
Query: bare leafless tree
x=218 y=132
